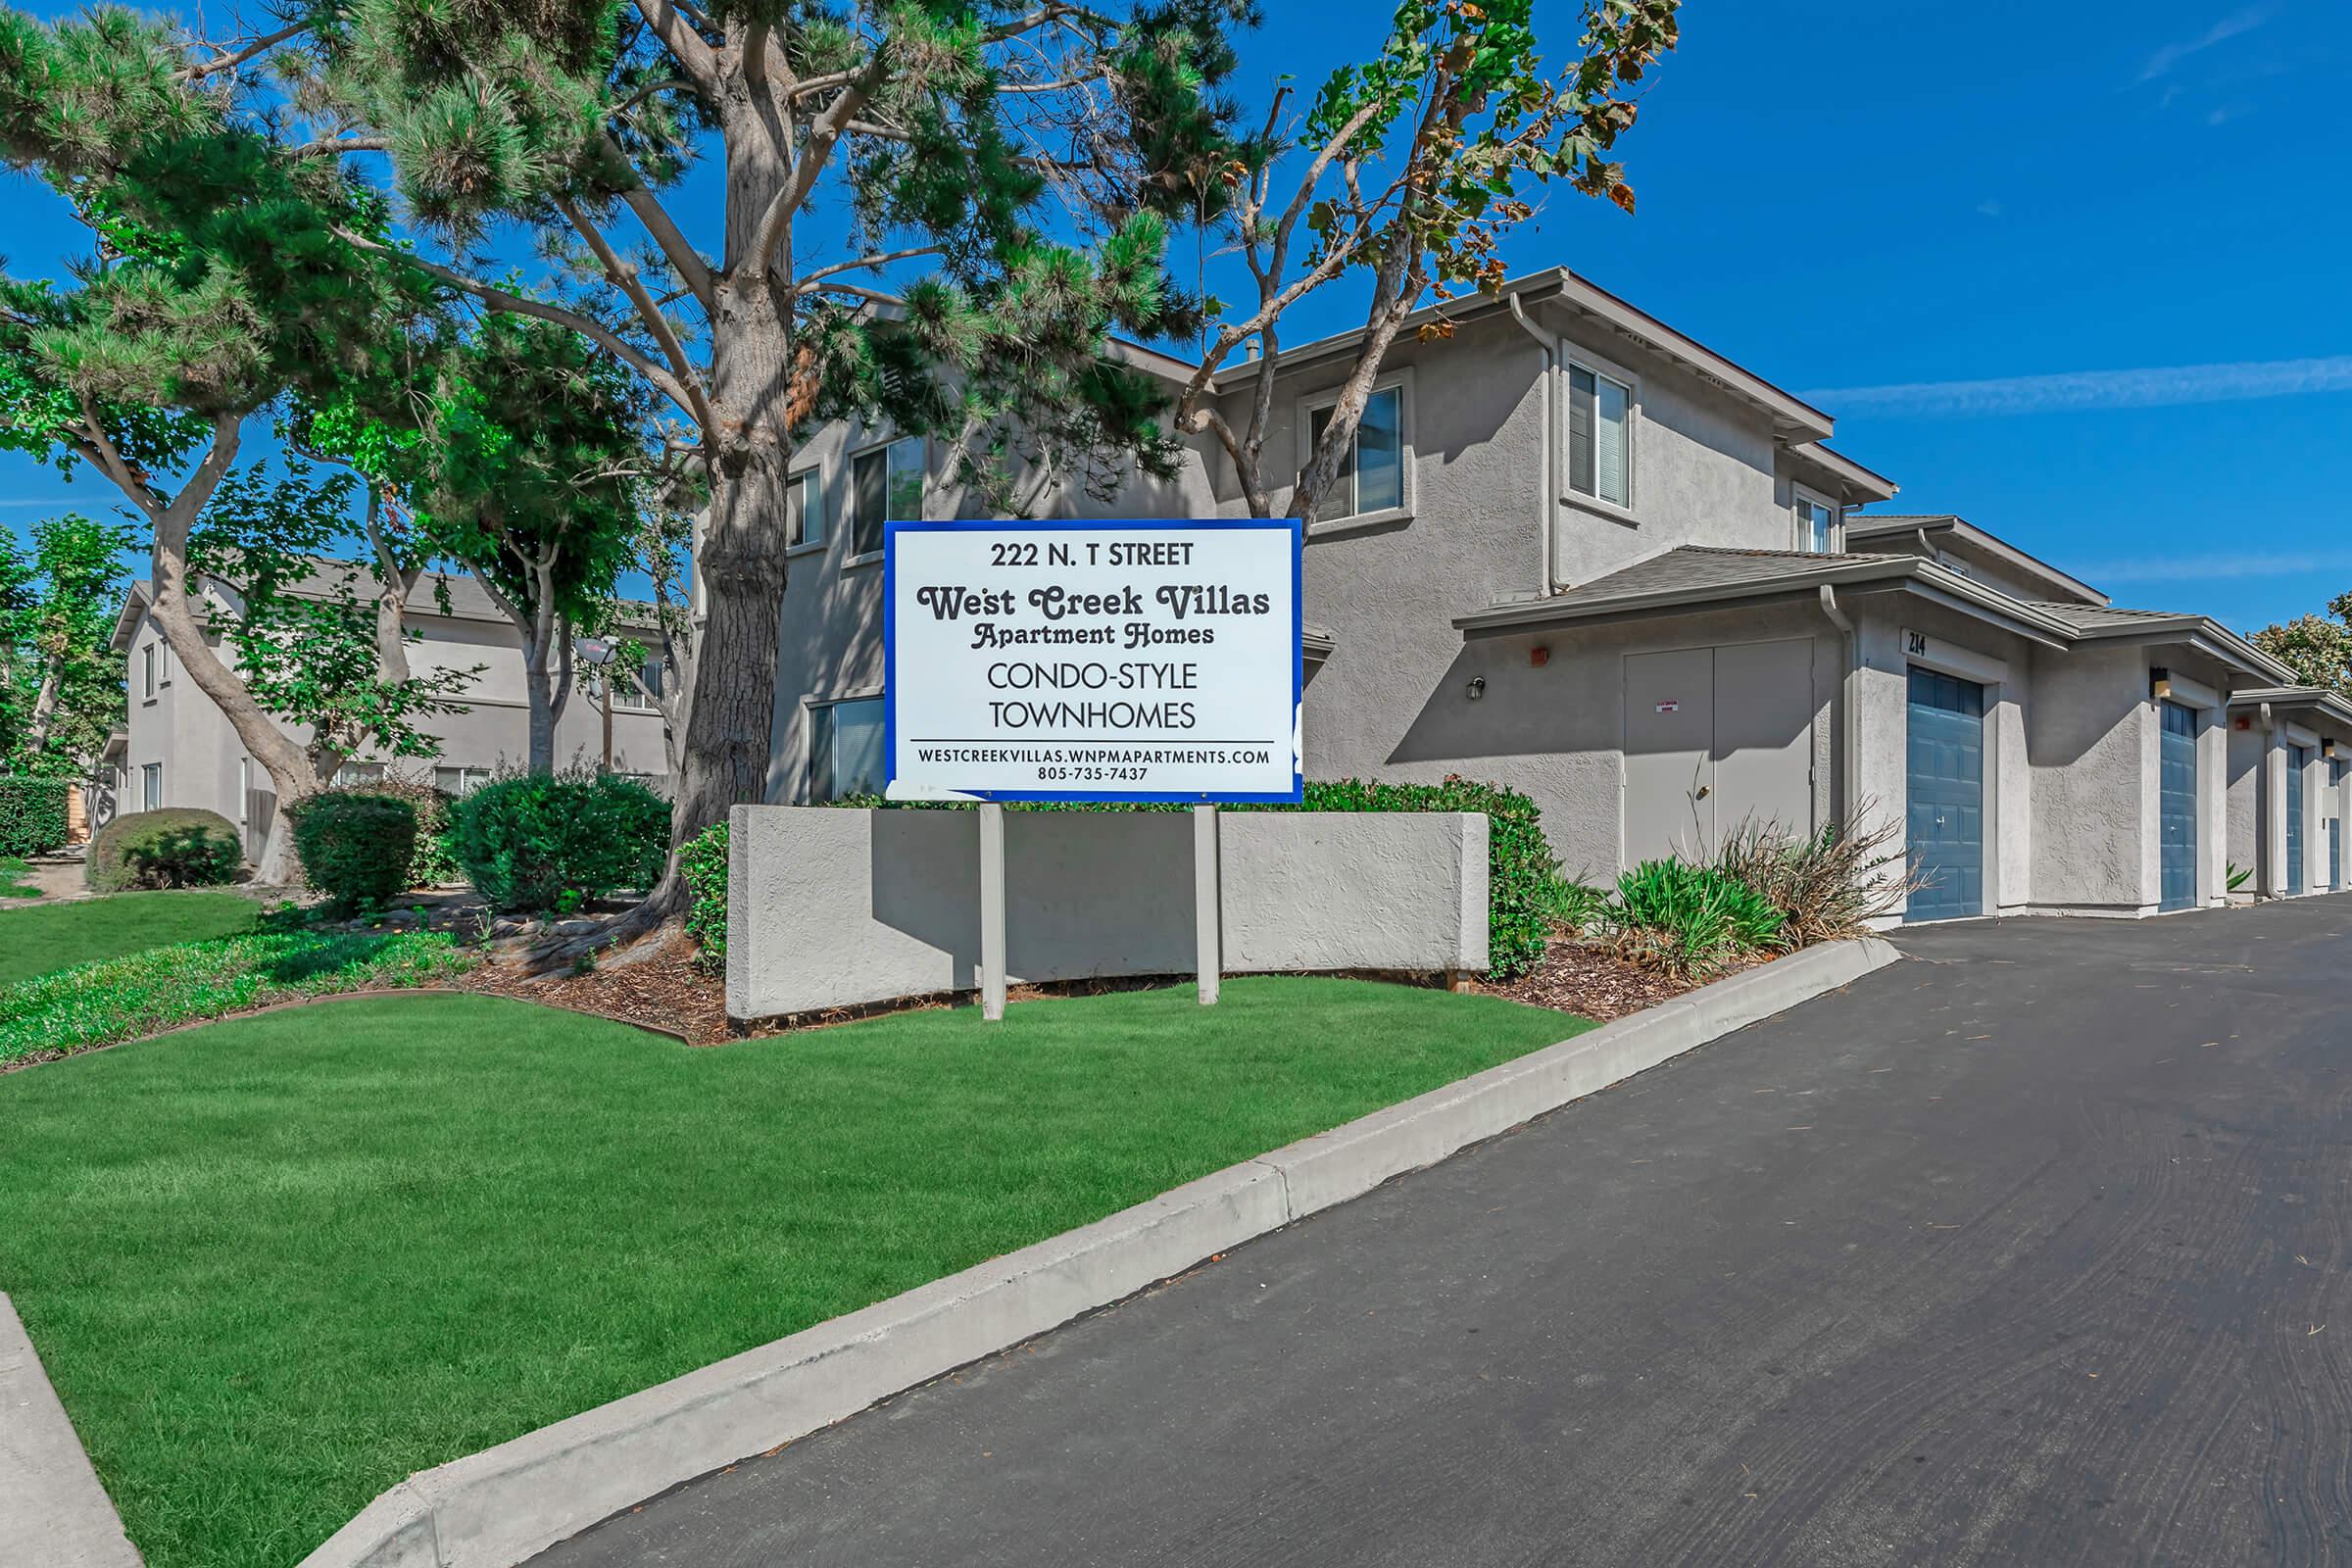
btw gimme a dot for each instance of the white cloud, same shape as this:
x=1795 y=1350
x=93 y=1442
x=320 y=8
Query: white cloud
x=2153 y=388
x=1989 y=209
x=2230 y=26
x=2200 y=568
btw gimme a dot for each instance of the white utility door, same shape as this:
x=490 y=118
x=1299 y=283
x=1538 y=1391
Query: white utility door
x=1716 y=738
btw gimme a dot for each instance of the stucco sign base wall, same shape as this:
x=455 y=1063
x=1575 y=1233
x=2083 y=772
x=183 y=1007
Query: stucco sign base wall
x=832 y=908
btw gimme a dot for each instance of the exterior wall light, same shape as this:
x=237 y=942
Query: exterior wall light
x=1476 y=689
x=2160 y=682
x=1538 y=656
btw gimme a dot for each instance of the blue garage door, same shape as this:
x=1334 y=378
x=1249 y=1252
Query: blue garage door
x=2178 y=771
x=1947 y=785
x=2294 y=818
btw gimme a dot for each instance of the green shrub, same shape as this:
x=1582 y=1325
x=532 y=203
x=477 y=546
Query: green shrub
x=703 y=863
x=175 y=846
x=356 y=847
x=1690 y=918
x=538 y=841
x=32 y=816
x=1827 y=885
x=1523 y=879
x=434 y=864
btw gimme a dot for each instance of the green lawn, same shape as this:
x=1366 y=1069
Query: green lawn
x=15 y=880
x=276 y=1264
x=52 y=936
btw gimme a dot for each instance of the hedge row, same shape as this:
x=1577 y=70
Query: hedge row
x=32 y=816
x=1522 y=876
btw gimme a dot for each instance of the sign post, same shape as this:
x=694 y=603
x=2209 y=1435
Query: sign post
x=1134 y=663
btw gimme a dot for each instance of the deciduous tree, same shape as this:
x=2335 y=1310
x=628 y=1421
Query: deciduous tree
x=2318 y=647
x=61 y=683
x=1407 y=170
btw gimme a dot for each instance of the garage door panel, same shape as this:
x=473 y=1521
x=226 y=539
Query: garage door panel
x=2177 y=773
x=1945 y=787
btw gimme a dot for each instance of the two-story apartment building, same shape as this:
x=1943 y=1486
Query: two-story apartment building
x=1584 y=556
x=178 y=749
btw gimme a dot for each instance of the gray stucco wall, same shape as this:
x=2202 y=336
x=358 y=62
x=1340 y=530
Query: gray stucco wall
x=833 y=907
x=201 y=754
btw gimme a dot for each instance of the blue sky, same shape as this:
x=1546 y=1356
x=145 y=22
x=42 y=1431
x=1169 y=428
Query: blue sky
x=2078 y=274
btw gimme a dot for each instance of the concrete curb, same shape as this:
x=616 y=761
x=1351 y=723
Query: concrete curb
x=498 y=1508
x=52 y=1509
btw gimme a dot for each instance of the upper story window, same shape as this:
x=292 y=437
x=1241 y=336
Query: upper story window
x=147 y=669
x=884 y=484
x=1816 y=526
x=804 y=509
x=1371 y=476
x=1600 y=436
x=845 y=748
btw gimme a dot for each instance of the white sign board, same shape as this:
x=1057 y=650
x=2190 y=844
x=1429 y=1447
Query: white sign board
x=1146 y=660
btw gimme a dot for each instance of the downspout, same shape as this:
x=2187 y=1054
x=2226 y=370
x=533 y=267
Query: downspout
x=1849 y=710
x=2270 y=845
x=1547 y=499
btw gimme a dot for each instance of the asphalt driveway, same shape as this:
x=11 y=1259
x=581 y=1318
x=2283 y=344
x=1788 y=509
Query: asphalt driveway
x=2031 y=1251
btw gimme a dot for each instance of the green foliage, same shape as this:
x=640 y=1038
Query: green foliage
x=32 y=816
x=121 y=999
x=539 y=841
x=1575 y=906
x=2318 y=647
x=1689 y=919
x=1523 y=878
x=703 y=863
x=60 y=684
x=1825 y=886
x=2237 y=876
x=305 y=644
x=175 y=846
x=434 y=864
x=356 y=849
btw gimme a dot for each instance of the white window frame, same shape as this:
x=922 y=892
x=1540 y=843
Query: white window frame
x=469 y=778
x=1400 y=381
x=809 y=711
x=147 y=684
x=1799 y=528
x=1577 y=359
x=850 y=489
x=812 y=481
x=151 y=786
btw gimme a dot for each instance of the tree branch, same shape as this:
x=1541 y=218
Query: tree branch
x=238 y=57
x=586 y=325
x=822 y=135
x=808 y=285
x=623 y=274
x=687 y=46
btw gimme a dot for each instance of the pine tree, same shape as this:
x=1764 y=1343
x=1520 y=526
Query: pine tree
x=956 y=136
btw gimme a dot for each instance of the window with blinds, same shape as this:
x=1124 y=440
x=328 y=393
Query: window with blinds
x=1600 y=452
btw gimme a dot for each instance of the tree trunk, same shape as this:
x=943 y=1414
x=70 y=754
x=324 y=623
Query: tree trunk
x=730 y=724
x=290 y=768
x=44 y=706
x=393 y=585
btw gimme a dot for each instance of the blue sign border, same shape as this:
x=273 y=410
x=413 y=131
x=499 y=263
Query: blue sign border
x=890 y=651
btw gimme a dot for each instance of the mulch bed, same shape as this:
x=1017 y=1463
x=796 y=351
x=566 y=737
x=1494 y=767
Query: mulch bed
x=664 y=990
x=1589 y=980
x=661 y=989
